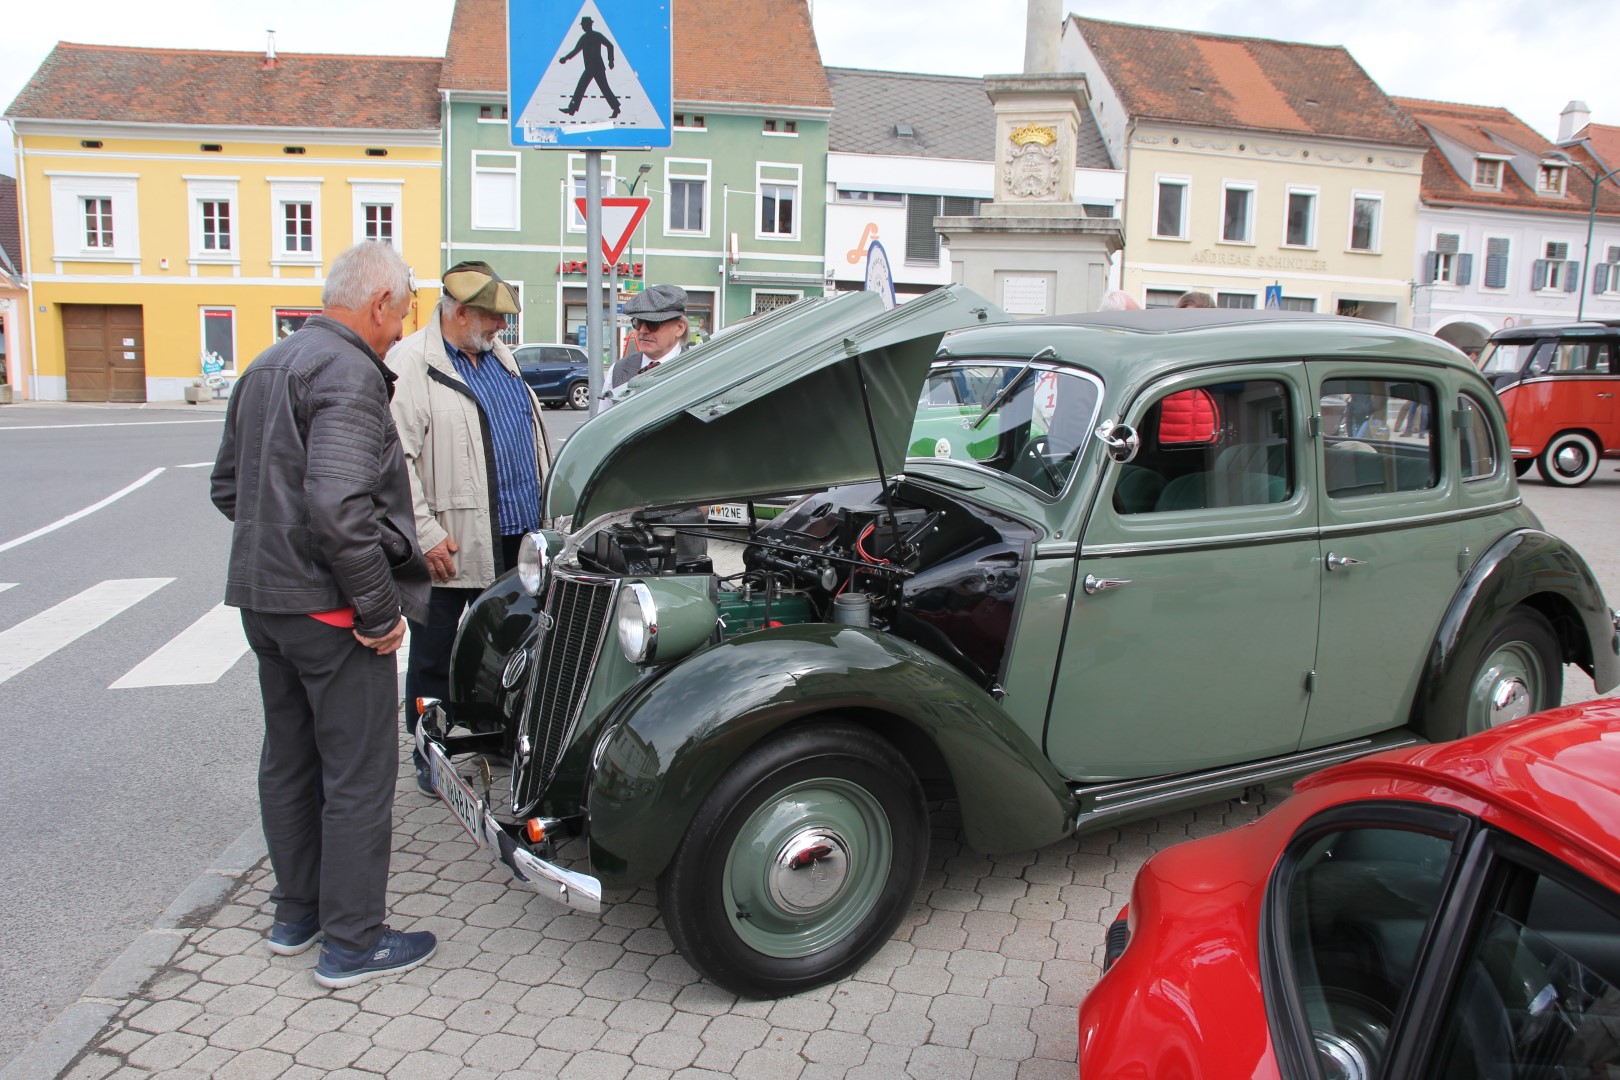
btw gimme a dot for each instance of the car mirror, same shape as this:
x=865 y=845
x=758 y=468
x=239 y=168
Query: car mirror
x=1121 y=439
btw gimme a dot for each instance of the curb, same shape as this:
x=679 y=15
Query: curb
x=65 y=1038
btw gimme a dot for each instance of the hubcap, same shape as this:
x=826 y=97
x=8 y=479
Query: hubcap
x=809 y=871
x=807 y=867
x=1570 y=459
x=1509 y=683
x=1510 y=701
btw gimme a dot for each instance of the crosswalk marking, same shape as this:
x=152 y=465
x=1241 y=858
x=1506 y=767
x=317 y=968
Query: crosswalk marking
x=4 y=585
x=201 y=653
x=32 y=640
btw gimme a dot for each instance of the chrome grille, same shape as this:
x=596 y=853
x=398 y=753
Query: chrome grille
x=576 y=616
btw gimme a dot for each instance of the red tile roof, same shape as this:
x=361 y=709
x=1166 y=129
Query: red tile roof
x=1488 y=129
x=115 y=84
x=744 y=52
x=1604 y=141
x=1255 y=84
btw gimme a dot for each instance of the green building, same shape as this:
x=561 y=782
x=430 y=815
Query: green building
x=738 y=211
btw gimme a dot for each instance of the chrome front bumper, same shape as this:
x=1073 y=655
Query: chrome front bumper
x=575 y=890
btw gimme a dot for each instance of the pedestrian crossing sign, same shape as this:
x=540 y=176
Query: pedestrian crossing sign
x=591 y=74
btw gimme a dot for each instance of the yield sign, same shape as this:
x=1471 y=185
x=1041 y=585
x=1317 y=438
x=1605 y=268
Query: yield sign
x=620 y=216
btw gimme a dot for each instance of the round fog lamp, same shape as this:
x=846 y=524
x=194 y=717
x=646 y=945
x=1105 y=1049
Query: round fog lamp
x=637 y=617
x=531 y=563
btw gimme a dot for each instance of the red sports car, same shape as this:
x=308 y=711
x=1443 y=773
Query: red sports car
x=1448 y=911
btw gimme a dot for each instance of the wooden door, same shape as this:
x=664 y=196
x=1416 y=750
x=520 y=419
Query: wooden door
x=106 y=352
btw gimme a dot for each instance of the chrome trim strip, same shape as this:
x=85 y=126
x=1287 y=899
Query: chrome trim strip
x=580 y=892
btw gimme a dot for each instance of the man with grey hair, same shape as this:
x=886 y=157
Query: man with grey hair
x=476 y=455
x=1118 y=300
x=325 y=567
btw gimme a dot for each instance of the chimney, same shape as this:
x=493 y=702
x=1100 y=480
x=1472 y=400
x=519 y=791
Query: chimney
x=269 y=61
x=1575 y=116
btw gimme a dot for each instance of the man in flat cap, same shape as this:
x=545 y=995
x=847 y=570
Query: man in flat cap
x=658 y=317
x=477 y=456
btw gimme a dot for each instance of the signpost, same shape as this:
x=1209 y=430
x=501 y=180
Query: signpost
x=591 y=75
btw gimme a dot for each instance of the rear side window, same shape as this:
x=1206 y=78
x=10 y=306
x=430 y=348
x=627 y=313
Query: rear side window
x=1378 y=436
x=1476 y=442
x=1586 y=357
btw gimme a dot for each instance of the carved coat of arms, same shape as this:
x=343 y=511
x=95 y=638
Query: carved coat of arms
x=1031 y=170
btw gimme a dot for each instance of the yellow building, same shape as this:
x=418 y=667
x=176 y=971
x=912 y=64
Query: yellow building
x=180 y=205
x=1254 y=167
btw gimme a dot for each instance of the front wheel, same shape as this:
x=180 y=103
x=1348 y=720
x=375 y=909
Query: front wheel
x=800 y=862
x=579 y=396
x=1569 y=459
x=1522 y=465
x=1520 y=671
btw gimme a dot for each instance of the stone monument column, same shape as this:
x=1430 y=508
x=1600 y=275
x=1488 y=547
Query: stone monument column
x=1032 y=249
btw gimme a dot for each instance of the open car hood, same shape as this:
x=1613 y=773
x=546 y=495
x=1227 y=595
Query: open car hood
x=773 y=407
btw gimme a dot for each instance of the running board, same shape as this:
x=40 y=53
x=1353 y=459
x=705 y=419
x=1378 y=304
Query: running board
x=1105 y=804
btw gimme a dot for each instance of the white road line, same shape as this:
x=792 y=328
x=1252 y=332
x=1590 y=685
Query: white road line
x=132 y=423
x=4 y=585
x=32 y=640
x=201 y=653
x=86 y=512
x=196 y=465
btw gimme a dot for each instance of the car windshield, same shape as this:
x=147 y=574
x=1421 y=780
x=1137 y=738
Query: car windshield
x=1505 y=357
x=982 y=414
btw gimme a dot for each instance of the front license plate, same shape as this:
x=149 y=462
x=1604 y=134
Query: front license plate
x=732 y=513
x=457 y=794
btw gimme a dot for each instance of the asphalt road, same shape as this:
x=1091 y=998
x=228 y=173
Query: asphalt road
x=117 y=796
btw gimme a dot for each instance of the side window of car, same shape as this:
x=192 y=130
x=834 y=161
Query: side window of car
x=1539 y=994
x=1359 y=905
x=1223 y=444
x=1603 y=358
x=1378 y=436
x=1476 y=442
x=526 y=358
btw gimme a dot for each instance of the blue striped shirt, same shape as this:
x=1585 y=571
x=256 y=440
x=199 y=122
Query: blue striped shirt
x=509 y=414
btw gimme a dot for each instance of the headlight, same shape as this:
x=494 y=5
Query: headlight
x=638 y=623
x=534 y=556
x=664 y=619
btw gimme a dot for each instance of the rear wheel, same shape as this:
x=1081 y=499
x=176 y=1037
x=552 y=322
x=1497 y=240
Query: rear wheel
x=800 y=862
x=1520 y=671
x=579 y=395
x=1569 y=460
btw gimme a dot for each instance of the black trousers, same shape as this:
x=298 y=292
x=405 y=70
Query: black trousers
x=326 y=773
x=427 y=672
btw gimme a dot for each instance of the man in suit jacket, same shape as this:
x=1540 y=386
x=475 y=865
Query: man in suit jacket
x=658 y=317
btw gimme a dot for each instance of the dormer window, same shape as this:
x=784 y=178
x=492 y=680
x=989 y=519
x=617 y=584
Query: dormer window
x=1550 y=179
x=1488 y=174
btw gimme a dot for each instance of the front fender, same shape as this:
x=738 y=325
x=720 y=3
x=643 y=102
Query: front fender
x=674 y=737
x=1531 y=567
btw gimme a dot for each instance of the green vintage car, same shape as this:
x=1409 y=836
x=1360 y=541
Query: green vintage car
x=1156 y=578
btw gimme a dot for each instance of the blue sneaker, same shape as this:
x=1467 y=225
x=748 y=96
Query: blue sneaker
x=292 y=938
x=394 y=952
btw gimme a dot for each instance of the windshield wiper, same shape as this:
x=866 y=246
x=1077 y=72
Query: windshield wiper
x=1009 y=387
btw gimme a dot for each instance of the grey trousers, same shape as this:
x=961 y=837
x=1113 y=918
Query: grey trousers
x=326 y=773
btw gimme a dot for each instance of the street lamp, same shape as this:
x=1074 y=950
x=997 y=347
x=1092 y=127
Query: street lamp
x=641 y=171
x=1591 y=218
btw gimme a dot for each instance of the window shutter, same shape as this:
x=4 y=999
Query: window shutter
x=1538 y=274
x=1600 y=278
x=1431 y=267
x=1614 y=254
x=1496 y=262
x=960 y=206
x=1465 y=269
x=1447 y=243
x=922 y=242
x=1572 y=276
x=1557 y=252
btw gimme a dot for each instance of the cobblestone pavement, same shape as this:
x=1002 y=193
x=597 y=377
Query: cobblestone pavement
x=980 y=981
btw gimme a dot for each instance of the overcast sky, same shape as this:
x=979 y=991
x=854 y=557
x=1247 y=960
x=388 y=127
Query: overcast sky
x=1530 y=57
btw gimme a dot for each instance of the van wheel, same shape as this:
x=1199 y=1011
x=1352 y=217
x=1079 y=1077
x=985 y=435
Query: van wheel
x=1522 y=465
x=800 y=862
x=1520 y=671
x=1569 y=460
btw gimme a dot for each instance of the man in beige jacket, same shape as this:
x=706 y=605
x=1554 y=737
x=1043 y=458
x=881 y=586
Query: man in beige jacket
x=477 y=457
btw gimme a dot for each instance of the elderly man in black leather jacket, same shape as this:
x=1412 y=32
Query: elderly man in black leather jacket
x=326 y=569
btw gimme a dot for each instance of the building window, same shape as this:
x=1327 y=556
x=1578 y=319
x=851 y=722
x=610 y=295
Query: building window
x=1300 y=228
x=298 y=233
x=1555 y=271
x=1298 y=303
x=377 y=207
x=1235 y=300
x=1446 y=265
x=690 y=121
x=1550 y=180
x=922 y=241
x=512 y=333
x=770 y=301
x=495 y=191
x=688 y=185
x=1366 y=212
x=219 y=335
x=1158 y=298
x=580 y=190
x=1237 y=214
x=98 y=223
x=290 y=320
x=777 y=205
x=855 y=196
x=495 y=114
x=1170 y=210
x=1606 y=275
x=781 y=127
x=1488 y=174
x=1496 y=262
x=216 y=226
x=379 y=222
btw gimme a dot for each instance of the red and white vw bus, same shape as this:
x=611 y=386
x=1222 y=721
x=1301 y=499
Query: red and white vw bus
x=1558 y=383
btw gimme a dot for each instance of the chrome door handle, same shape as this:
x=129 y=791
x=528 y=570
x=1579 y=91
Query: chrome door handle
x=1342 y=562
x=1094 y=584
x=1605 y=395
